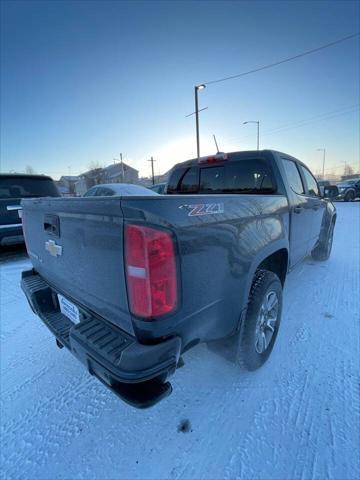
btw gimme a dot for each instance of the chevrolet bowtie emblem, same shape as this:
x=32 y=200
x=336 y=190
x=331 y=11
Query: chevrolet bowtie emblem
x=54 y=249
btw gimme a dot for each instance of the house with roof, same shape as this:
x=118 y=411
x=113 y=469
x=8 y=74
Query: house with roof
x=121 y=173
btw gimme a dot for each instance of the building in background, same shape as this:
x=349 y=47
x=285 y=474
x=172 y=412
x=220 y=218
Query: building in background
x=115 y=173
x=121 y=173
x=89 y=179
x=66 y=184
x=147 y=181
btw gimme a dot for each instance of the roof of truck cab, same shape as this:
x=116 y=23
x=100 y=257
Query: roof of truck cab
x=239 y=154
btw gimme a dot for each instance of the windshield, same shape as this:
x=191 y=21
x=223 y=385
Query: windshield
x=22 y=187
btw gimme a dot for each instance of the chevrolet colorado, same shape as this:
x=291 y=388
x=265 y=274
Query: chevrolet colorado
x=129 y=284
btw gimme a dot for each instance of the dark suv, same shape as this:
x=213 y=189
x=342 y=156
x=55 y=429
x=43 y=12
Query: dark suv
x=13 y=188
x=348 y=190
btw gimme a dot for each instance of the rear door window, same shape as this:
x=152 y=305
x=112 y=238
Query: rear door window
x=293 y=176
x=312 y=186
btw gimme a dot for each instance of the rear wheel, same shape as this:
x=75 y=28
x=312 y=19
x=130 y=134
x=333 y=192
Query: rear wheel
x=349 y=197
x=323 y=250
x=261 y=324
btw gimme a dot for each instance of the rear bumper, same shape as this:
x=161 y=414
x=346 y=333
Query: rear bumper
x=135 y=372
x=11 y=234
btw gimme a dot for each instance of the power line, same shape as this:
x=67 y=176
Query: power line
x=304 y=123
x=307 y=121
x=289 y=59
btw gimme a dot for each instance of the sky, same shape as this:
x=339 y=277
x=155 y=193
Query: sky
x=82 y=81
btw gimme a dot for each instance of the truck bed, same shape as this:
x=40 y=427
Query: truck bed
x=217 y=238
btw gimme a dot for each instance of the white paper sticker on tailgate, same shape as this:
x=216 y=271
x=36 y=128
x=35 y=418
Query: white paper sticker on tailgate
x=69 y=309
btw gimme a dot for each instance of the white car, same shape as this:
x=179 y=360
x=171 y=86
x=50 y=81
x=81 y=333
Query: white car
x=118 y=189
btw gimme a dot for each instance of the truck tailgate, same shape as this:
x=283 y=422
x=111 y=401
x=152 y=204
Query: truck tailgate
x=76 y=245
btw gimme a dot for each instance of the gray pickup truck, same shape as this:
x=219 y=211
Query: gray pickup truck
x=129 y=284
x=13 y=188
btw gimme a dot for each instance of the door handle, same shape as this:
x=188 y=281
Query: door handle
x=298 y=209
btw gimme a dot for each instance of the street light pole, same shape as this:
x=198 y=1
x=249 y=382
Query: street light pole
x=196 y=91
x=323 y=165
x=258 y=131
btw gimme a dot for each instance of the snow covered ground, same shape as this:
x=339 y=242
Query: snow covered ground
x=296 y=418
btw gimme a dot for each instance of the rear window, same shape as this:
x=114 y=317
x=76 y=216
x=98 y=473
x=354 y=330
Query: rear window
x=174 y=180
x=250 y=176
x=190 y=181
x=27 y=187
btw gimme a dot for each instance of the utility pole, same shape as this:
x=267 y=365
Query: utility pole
x=152 y=169
x=323 y=163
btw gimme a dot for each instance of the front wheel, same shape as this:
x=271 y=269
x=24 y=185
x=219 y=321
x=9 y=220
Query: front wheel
x=350 y=196
x=261 y=324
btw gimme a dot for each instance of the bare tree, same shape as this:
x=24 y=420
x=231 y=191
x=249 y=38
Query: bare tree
x=348 y=170
x=30 y=170
x=94 y=165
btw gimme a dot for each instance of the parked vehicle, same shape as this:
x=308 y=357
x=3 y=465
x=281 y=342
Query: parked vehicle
x=116 y=189
x=348 y=190
x=129 y=285
x=14 y=187
x=159 y=188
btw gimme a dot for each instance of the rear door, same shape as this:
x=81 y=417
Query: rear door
x=300 y=212
x=317 y=205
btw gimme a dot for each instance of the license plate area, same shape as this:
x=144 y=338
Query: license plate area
x=68 y=309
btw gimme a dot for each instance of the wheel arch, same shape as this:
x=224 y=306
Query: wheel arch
x=274 y=258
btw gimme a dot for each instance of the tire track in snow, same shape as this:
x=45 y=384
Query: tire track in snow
x=40 y=424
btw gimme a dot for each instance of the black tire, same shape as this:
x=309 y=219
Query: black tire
x=350 y=196
x=323 y=250
x=250 y=356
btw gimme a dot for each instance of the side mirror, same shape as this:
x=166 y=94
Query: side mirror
x=331 y=191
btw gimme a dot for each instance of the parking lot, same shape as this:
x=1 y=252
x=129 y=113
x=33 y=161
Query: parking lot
x=297 y=417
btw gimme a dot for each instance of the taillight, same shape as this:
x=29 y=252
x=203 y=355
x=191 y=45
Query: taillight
x=23 y=221
x=150 y=271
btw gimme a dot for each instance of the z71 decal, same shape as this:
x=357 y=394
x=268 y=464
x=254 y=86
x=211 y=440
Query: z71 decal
x=203 y=209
